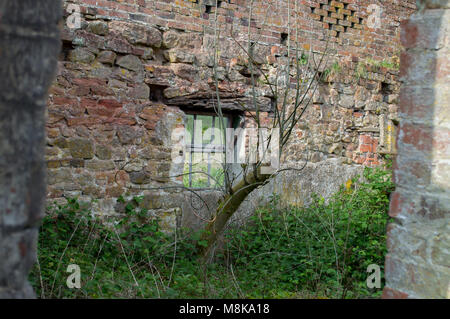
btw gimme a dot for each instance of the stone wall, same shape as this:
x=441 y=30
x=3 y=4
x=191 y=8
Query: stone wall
x=132 y=68
x=296 y=189
x=418 y=262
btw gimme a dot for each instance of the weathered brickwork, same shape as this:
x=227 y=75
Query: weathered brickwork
x=337 y=16
x=132 y=68
x=418 y=262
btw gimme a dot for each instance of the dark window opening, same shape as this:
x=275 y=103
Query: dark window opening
x=66 y=47
x=156 y=92
x=284 y=37
x=385 y=88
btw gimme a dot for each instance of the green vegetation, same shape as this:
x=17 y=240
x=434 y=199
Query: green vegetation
x=303 y=60
x=324 y=249
x=319 y=252
x=361 y=70
x=332 y=71
x=200 y=172
x=392 y=64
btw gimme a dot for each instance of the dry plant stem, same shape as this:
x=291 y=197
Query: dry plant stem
x=128 y=264
x=156 y=269
x=98 y=255
x=40 y=278
x=154 y=279
x=239 y=290
x=174 y=257
x=62 y=255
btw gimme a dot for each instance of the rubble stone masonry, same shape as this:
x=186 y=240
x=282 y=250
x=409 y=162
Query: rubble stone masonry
x=131 y=68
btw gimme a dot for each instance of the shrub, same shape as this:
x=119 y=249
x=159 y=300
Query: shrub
x=128 y=258
x=317 y=252
x=326 y=247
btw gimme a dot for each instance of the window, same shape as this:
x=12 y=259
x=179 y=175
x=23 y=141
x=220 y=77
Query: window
x=205 y=151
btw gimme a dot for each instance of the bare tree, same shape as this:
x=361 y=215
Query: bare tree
x=291 y=88
x=29 y=46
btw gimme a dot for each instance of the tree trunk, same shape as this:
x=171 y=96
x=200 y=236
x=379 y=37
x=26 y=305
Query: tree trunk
x=29 y=46
x=227 y=207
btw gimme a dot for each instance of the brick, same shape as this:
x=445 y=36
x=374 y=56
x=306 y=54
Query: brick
x=337 y=4
x=329 y=20
x=65 y=101
x=110 y=103
x=364 y=148
x=337 y=28
x=78 y=121
x=344 y=12
x=352 y=19
x=321 y=12
x=100 y=111
x=315 y=16
x=328 y=8
x=337 y=16
x=345 y=23
x=333 y=33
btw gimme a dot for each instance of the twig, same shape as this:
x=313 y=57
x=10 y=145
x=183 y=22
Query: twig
x=174 y=257
x=236 y=283
x=62 y=255
x=128 y=264
x=40 y=278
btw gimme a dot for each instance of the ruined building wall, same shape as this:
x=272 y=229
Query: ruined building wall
x=418 y=260
x=131 y=68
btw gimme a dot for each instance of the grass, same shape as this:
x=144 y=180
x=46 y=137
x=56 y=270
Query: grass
x=318 y=252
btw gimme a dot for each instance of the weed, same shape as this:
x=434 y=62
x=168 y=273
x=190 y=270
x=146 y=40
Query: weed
x=317 y=252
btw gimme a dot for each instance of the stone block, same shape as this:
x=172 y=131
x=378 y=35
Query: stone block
x=81 y=148
x=81 y=55
x=130 y=62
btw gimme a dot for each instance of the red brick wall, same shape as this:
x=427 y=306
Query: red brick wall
x=269 y=19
